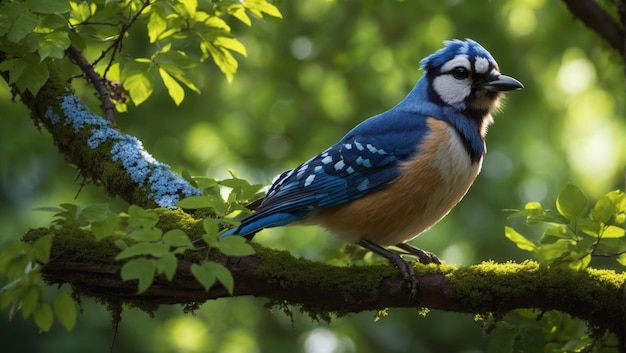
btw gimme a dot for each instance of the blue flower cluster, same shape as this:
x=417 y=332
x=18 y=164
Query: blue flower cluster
x=165 y=187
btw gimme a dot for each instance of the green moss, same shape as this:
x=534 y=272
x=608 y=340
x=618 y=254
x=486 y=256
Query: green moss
x=592 y=295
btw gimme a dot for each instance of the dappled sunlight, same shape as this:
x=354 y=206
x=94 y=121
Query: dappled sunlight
x=322 y=340
x=184 y=334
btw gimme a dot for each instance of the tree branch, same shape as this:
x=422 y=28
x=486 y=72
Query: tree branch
x=98 y=82
x=101 y=152
x=598 y=20
x=321 y=289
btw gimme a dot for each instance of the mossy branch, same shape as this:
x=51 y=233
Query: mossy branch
x=595 y=296
x=98 y=149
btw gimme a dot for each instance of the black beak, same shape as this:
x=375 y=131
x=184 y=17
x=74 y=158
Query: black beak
x=501 y=83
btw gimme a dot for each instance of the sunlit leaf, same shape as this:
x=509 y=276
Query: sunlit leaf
x=519 y=240
x=572 y=203
x=176 y=92
x=612 y=232
x=139 y=86
x=157 y=23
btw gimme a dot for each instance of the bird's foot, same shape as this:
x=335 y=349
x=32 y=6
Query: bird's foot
x=406 y=269
x=424 y=257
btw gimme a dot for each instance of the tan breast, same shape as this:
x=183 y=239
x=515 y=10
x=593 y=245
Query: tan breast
x=428 y=187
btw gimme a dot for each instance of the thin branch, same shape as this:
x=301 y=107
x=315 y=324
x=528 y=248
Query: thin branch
x=116 y=46
x=98 y=82
x=598 y=20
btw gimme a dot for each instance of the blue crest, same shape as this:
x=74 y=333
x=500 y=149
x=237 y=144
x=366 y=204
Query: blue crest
x=453 y=48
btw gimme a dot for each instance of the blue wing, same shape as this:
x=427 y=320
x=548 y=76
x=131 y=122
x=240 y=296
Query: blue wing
x=364 y=161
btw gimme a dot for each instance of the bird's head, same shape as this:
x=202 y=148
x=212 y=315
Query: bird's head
x=465 y=76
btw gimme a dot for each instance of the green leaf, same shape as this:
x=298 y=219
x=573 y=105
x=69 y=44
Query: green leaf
x=167 y=265
x=34 y=75
x=612 y=232
x=65 y=310
x=146 y=234
x=203 y=275
x=622 y=259
x=572 y=203
x=105 y=227
x=176 y=92
x=224 y=60
x=519 y=240
x=24 y=23
x=138 y=217
x=93 y=213
x=231 y=44
x=43 y=316
x=177 y=238
x=239 y=12
x=157 y=23
x=235 y=246
x=211 y=228
x=143 y=249
x=603 y=210
x=142 y=270
x=222 y=274
x=502 y=340
x=41 y=248
x=258 y=7
x=205 y=201
x=48 y=6
x=139 y=86
x=590 y=227
x=30 y=300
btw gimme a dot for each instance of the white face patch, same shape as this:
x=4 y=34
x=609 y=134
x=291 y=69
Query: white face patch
x=459 y=60
x=481 y=65
x=451 y=90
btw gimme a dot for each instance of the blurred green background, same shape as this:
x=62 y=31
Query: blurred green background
x=308 y=79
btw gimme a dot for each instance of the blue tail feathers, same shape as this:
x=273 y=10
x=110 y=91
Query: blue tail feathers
x=258 y=221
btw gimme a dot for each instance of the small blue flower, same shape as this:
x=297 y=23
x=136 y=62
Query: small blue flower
x=52 y=116
x=165 y=187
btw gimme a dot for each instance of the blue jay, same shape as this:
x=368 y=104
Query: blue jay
x=398 y=173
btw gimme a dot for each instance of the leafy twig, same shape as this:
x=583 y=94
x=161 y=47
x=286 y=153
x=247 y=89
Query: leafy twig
x=117 y=44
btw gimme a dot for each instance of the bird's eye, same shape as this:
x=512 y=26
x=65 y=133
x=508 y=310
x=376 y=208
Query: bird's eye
x=460 y=73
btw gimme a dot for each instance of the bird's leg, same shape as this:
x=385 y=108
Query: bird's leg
x=406 y=270
x=424 y=257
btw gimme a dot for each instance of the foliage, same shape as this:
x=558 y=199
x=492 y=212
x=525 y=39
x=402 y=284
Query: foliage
x=20 y=266
x=147 y=250
x=33 y=30
x=573 y=234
